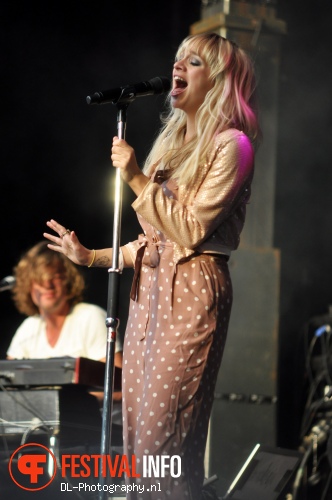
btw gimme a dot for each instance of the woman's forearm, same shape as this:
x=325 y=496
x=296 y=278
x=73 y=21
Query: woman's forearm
x=104 y=256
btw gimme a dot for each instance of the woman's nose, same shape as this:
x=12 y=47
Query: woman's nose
x=178 y=64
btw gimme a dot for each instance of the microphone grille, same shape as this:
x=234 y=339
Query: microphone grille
x=7 y=283
x=10 y=279
x=160 y=84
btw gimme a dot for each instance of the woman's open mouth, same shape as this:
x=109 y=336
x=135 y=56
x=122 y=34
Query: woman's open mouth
x=179 y=86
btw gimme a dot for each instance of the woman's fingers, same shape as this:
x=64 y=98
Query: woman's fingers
x=62 y=241
x=67 y=243
x=51 y=237
x=58 y=228
x=56 y=248
x=122 y=153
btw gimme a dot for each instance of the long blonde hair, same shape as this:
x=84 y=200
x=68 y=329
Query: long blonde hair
x=229 y=104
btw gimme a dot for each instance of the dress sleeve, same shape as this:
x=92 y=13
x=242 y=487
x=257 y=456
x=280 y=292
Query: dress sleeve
x=132 y=248
x=228 y=174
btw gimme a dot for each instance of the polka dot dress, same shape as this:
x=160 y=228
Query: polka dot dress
x=173 y=347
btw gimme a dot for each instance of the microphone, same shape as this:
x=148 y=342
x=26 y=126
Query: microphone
x=7 y=283
x=322 y=329
x=157 y=85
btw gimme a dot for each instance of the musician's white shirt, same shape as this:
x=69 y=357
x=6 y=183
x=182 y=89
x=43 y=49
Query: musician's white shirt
x=83 y=334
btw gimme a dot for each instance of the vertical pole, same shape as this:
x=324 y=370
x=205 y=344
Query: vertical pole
x=112 y=321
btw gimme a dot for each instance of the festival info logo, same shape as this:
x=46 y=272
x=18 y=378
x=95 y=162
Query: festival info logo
x=32 y=467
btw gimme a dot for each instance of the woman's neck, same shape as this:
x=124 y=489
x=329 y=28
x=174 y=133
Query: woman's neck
x=190 y=130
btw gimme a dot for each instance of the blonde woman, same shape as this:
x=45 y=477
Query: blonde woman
x=191 y=203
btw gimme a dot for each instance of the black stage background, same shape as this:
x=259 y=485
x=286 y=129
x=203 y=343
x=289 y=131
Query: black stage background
x=55 y=148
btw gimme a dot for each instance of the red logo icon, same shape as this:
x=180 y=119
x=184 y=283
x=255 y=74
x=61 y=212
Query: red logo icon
x=32 y=467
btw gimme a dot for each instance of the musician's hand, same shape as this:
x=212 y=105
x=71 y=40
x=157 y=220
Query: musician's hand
x=67 y=243
x=123 y=157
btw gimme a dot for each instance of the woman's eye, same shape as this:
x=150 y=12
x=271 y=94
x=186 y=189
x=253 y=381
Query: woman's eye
x=195 y=62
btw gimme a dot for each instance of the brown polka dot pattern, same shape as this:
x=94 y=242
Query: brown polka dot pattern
x=174 y=342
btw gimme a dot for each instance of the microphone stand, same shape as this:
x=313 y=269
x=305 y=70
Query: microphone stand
x=127 y=95
x=112 y=321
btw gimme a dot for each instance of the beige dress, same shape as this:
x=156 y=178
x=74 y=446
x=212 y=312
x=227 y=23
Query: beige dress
x=176 y=332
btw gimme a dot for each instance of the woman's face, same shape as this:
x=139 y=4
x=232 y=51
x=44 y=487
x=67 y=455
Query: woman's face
x=191 y=82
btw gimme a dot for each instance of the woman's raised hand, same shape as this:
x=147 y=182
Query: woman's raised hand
x=67 y=243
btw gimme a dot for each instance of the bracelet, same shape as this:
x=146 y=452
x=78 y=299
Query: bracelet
x=93 y=258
